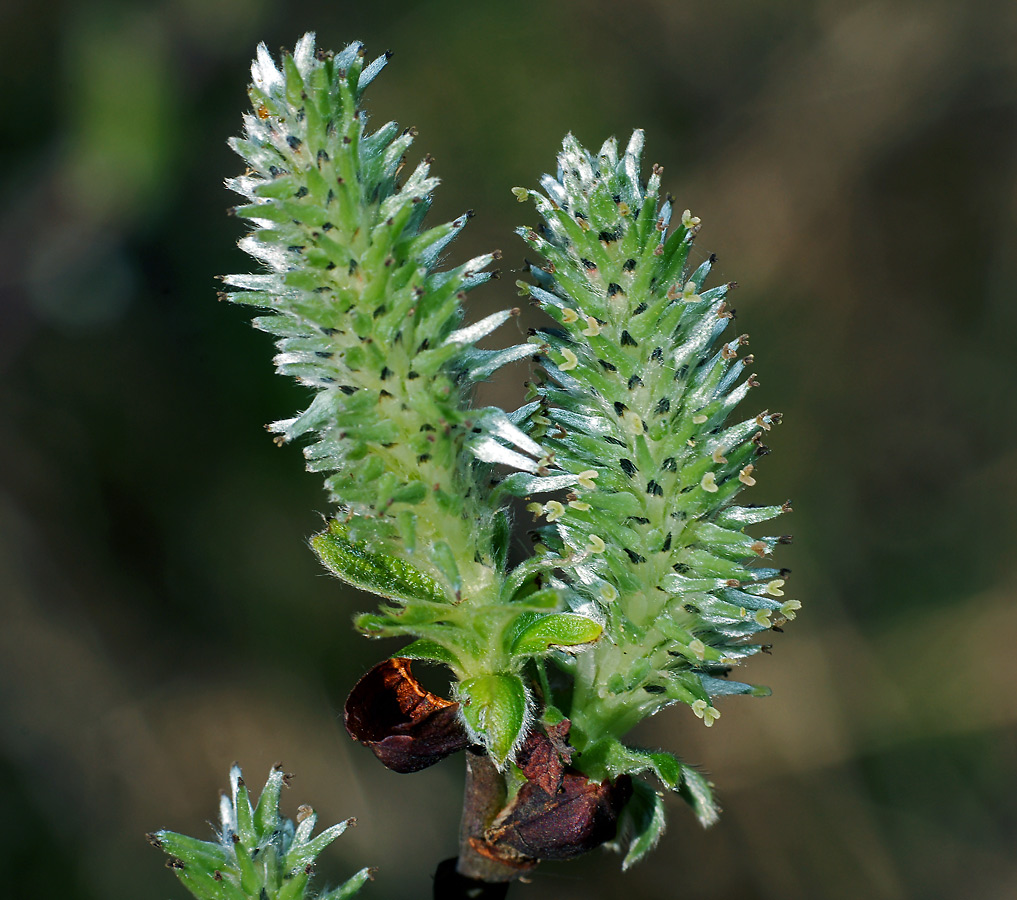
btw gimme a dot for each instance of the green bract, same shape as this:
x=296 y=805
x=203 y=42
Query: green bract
x=259 y=855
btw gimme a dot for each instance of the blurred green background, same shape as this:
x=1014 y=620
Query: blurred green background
x=854 y=165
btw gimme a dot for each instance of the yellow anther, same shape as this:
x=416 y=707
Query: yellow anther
x=699 y=420
x=553 y=510
x=571 y=360
x=689 y=294
x=568 y=316
x=708 y=714
x=789 y=609
x=698 y=648
x=521 y=194
x=586 y=479
x=632 y=422
x=690 y=222
x=592 y=328
x=718 y=456
x=536 y=508
x=709 y=483
x=580 y=505
x=774 y=587
x=596 y=544
x=608 y=593
x=745 y=475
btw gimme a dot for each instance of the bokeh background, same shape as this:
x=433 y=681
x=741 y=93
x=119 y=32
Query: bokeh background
x=854 y=165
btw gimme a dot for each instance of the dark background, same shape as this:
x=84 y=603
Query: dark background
x=854 y=165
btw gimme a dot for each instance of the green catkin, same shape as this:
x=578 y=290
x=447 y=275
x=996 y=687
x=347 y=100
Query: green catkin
x=258 y=853
x=638 y=387
x=366 y=316
x=362 y=313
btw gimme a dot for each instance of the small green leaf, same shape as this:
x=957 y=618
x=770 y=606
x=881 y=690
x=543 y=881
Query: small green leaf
x=429 y=650
x=496 y=710
x=642 y=823
x=666 y=768
x=557 y=630
x=610 y=758
x=698 y=793
x=375 y=626
x=371 y=571
x=517 y=626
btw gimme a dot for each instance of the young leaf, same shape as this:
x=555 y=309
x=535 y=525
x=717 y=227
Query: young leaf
x=556 y=630
x=611 y=758
x=642 y=823
x=378 y=573
x=697 y=791
x=429 y=650
x=496 y=709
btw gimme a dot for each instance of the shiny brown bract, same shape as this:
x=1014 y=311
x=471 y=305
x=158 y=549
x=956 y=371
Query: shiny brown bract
x=407 y=727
